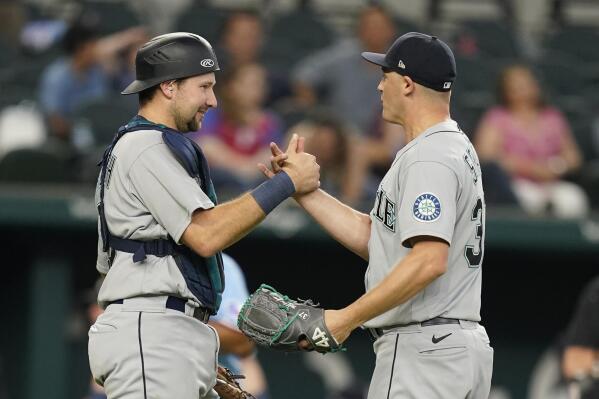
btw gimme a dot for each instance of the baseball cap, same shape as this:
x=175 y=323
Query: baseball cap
x=426 y=59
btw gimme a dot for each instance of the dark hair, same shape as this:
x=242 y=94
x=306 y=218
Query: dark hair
x=146 y=95
x=79 y=35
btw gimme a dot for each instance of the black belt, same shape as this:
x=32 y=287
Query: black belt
x=176 y=303
x=376 y=333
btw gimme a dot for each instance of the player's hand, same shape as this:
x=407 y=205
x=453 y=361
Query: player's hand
x=276 y=161
x=299 y=165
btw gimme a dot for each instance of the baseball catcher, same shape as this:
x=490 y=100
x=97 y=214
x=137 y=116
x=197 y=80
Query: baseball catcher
x=274 y=320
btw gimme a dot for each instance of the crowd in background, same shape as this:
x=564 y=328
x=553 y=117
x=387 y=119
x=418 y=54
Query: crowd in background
x=61 y=103
x=530 y=109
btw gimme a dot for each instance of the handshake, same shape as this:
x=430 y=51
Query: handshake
x=300 y=166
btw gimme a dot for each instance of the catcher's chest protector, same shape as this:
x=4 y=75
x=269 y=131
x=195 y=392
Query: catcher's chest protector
x=204 y=276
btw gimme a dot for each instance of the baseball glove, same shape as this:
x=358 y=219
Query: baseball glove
x=227 y=386
x=272 y=319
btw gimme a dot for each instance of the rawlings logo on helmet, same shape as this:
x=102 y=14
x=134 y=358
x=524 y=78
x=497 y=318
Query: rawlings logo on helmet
x=207 y=63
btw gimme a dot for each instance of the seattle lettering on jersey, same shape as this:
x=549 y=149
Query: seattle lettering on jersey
x=384 y=210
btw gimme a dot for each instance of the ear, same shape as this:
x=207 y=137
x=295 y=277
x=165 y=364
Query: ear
x=408 y=85
x=168 y=89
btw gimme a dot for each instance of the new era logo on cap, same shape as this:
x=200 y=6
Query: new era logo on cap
x=424 y=58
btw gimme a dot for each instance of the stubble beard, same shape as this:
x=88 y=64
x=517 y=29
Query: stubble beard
x=185 y=125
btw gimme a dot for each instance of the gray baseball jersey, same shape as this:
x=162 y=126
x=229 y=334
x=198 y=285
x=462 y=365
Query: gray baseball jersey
x=148 y=195
x=433 y=188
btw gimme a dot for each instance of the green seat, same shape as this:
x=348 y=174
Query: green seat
x=110 y=16
x=35 y=166
x=204 y=20
x=493 y=39
x=577 y=42
x=288 y=41
x=104 y=117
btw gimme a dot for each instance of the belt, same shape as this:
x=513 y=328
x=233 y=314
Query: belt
x=376 y=333
x=201 y=313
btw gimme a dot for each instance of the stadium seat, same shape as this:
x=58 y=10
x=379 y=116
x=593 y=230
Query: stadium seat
x=575 y=41
x=35 y=166
x=105 y=116
x=110 y=16
x=494 y=39
x=202 y=19
x=288 y=41
x=564 y=81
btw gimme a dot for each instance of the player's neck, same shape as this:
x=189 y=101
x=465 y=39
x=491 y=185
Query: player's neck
x=157 y=116
x=415 y=125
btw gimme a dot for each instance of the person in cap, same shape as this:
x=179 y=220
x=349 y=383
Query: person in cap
x=161 y=230
x=423 y=239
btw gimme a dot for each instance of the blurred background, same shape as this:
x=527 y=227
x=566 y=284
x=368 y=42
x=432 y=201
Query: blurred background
x=527 y=94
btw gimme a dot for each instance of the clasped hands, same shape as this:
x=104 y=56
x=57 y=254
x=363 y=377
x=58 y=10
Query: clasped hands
x=301 y=167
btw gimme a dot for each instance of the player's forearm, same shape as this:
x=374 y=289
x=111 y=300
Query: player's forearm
x=233 y=341
x=411 y=275
x=346 y=225
x=215 y=229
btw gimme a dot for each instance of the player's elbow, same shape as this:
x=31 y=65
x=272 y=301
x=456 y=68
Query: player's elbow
x=206 y=245
x=437 y=267
x=200 y=241
x=433 y=254
x=205 y=250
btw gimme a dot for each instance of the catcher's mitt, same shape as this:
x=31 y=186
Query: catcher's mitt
x=272 y=319
x=227 y=386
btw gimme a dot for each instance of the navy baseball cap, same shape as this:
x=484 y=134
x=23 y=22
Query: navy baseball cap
x=426 y=59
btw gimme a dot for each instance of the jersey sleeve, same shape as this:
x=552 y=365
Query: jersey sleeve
x=167 y=190
x=428 y=201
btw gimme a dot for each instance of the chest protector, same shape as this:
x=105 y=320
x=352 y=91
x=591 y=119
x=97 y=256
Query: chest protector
x=204 y=276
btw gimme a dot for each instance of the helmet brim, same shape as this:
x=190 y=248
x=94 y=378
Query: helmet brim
x=140 y=85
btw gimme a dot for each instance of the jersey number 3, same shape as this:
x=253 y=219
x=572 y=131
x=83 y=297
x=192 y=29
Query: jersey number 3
x=474 y=255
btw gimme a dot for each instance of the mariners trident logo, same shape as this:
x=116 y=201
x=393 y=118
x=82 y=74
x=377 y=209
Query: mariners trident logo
x=427 y=208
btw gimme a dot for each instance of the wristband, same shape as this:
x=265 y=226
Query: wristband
x=274 y=191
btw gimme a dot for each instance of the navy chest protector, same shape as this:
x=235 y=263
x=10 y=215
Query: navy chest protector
x=204 y=276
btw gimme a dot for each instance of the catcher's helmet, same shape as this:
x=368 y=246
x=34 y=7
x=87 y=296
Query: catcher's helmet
x=171 y=56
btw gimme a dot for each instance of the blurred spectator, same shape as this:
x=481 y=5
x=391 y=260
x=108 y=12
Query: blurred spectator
x=339 y=77
x=326 y=140
x=533 y=144
x=569 y=368
x=337 y=374
x=236 y=135
x=339 y=72
x=344 y=169
x=580 y=361
x=82 y=75
x=236 y=351
x=242 y=40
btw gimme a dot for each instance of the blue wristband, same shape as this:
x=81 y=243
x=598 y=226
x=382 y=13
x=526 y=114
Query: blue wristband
x=274 y=191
